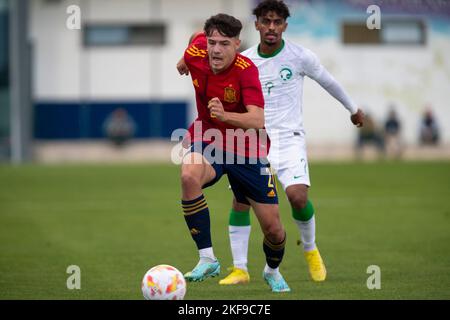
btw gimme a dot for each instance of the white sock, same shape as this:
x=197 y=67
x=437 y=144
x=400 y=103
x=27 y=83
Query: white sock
x=239 y=236
x=207 y=255
x=307 y=233
x=268 y=269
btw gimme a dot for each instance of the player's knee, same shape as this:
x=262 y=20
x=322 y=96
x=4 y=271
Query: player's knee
x=275 y=233
x=189 y=179
x=298 y=200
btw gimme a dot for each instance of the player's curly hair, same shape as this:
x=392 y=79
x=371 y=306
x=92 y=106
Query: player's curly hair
x=279 y=7
x=225 y=24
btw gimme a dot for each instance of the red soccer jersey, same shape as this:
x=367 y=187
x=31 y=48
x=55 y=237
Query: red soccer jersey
x=236 y=87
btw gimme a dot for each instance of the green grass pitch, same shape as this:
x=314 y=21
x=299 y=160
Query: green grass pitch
x=115 y=222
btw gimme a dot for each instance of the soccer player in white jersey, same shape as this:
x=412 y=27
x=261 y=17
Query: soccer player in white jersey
x=282 y=67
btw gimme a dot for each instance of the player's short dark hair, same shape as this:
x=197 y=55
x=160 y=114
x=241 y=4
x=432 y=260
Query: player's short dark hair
x=279 y=7
x=225 y=24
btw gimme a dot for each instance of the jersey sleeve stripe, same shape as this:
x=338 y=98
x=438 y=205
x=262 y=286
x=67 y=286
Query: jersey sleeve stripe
x=242 y=66
x=197 y=49
x=195 y=54
x=242 y=61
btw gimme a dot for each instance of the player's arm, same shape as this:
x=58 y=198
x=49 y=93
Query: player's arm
x=252 y=98
x=327 y=81
x=315 y=70
x=252 y=119
x=181 y=65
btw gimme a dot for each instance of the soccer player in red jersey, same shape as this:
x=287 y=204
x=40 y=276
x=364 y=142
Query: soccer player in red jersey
x=230 y=109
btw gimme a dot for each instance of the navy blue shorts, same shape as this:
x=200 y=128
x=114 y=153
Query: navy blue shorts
x=249 y=178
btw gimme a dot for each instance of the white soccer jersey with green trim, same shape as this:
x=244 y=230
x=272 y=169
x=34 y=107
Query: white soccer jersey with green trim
x=282 y=75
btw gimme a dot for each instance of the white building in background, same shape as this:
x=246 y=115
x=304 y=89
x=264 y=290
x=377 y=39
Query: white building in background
x=126 y=51
x=124 y=54
x=68 y=69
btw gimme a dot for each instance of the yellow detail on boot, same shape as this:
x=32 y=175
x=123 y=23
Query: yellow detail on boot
x=316 y=266
x=237 y=276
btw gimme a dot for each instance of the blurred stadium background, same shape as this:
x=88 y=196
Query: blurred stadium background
x=58 y=86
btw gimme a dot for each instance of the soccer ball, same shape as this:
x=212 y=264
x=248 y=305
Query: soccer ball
x=163 y=282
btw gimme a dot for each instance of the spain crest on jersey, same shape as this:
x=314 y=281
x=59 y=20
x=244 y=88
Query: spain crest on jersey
x=230 y=95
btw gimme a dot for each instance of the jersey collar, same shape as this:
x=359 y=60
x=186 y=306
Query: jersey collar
x=262 y=55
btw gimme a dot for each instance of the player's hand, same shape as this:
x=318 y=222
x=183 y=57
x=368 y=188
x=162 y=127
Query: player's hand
x=182 y=67
x=216 y=109
x=358 y=118
x=186 y=143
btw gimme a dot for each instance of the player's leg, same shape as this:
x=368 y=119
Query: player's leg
x=293 y=173
x=273 y=244
x=254 y=184
x=195 y=173
x=239 y=232
x=303 y=214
